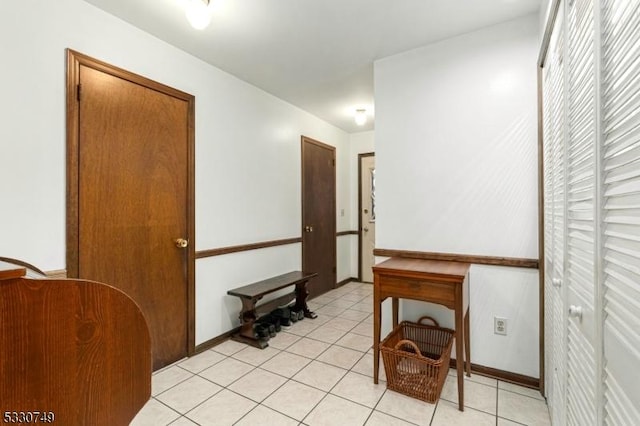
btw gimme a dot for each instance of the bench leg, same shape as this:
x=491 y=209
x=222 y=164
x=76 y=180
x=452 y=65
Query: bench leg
x=248 y=317
x=301 y=300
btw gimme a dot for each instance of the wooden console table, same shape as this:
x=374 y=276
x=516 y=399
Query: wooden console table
x=441 y=282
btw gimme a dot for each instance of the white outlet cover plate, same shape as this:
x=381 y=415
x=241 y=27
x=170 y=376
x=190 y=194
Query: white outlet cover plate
x=500 y=326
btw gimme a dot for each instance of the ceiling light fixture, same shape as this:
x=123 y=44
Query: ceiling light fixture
x=361 y=116
x=198 y=14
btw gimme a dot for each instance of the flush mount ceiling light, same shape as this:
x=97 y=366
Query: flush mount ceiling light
x=198 y=13
x=360 y=116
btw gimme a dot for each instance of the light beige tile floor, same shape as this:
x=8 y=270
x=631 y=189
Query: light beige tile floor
x=319 y=372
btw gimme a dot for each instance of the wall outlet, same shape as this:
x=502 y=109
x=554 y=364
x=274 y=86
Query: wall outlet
x=500 y=326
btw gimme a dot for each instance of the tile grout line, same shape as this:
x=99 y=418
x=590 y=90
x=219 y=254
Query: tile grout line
x=433 y=415
x=522 y=394
x=296 y=381
x=326 y=393
x=497 y=400
x=385 y=413
x=175 y=384
x=258 y=404
x=255 y=367
x=171 y=408
x=222 y=387
x=347 y=370
x=275 y=390
x=329 y=391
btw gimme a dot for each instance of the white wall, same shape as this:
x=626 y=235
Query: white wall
x=247 y=150
x=456 y=156
x=457 y=144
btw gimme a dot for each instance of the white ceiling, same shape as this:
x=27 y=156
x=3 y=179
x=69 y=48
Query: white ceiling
x=316 y=54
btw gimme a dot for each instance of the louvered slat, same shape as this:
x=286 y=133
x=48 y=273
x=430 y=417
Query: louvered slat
x=553 y=145
x=621 y=410
x=621 y=217
x=610 y=147
x=580 y=381
x=581 y=202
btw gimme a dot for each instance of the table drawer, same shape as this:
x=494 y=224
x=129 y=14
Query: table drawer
x=412 y=288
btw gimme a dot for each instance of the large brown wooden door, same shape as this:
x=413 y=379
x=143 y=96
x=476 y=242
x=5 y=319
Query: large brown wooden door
x=133 y=159
x=319 y=214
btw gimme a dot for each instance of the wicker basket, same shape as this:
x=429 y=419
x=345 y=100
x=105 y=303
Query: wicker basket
x=416 y=358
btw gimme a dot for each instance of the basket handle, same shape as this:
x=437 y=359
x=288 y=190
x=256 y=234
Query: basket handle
x=426 y=317
x=409 y=343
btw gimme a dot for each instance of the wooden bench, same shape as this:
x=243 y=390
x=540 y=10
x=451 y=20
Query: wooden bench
x=252 y=293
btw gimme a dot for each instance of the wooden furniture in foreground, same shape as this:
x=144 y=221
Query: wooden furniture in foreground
x=253 y=293
x=440 y=282
x=72 y=352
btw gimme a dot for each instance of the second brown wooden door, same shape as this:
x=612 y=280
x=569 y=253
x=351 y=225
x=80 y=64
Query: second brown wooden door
x=319 y=214
x=133 y=200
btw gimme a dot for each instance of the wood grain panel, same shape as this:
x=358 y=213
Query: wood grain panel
x=260 y=288
x=78 y=349
x=318 y=214
x=464 y=258
x=407 y=288
x=11 y=270
x=130 y=193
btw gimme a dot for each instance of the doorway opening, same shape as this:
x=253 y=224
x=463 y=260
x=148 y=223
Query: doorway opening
x=366 y=215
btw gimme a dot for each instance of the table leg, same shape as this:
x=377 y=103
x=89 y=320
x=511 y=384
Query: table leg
x=301 y=300
x=467 y=342
x=460 y=356
x=248 y=317
x=394 y=307
x=376 y=337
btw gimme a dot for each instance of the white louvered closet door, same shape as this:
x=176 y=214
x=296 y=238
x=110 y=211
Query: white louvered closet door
x=554 y=184
x=580 y=272
x=621 y=216
x=592 y=214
